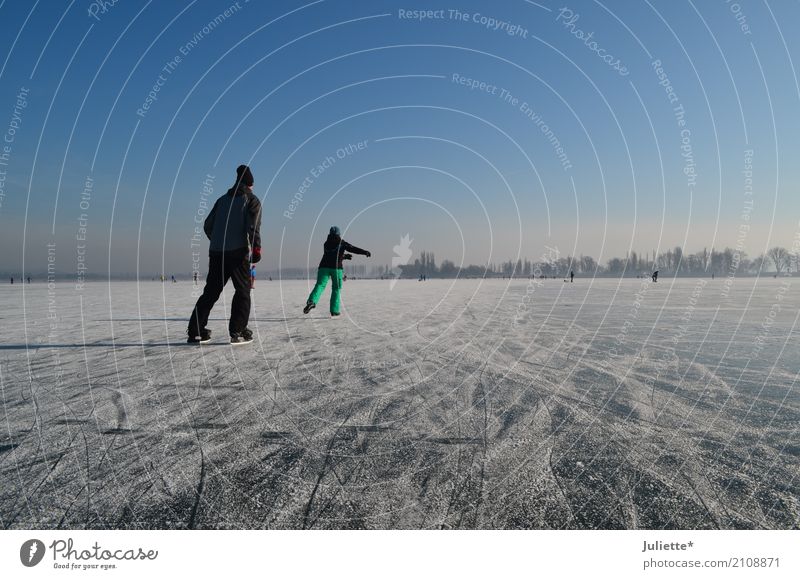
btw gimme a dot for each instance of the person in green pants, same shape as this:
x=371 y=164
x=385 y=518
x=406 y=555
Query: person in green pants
x=330 y=266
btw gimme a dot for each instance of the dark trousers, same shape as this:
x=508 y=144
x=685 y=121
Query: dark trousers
x=223 y=266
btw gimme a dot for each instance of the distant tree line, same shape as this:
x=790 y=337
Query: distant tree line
x=674 y=261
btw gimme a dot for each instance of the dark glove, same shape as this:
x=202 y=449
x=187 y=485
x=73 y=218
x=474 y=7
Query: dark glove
x=347 y=256
x=256 y=256
x=368 y=254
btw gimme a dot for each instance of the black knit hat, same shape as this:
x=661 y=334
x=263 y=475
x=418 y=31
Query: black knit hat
x=244 y=176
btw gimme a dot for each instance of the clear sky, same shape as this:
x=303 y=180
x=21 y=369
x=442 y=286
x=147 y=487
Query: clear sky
x=485 y=132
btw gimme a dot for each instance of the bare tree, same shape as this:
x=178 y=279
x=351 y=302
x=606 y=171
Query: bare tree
x=780 y=257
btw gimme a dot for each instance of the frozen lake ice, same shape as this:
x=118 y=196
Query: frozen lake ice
x=604 y=403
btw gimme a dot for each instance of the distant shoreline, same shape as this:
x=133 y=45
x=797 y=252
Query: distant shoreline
x=61 y=280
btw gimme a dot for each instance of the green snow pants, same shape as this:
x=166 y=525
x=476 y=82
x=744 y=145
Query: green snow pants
x=323 y=274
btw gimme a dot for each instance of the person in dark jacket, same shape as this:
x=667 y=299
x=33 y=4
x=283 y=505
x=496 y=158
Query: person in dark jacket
x=330 y=266
x=234 y=228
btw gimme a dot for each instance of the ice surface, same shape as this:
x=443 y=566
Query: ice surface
x=438 y=404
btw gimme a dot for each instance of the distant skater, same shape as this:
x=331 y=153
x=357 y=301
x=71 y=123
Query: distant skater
x=571 y=276
x=234 y=228
x=655 y=276
x=194 y=277
x=253 y=276
x=330 y=266
x=12 y=281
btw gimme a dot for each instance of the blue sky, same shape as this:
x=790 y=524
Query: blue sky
x=570 y=142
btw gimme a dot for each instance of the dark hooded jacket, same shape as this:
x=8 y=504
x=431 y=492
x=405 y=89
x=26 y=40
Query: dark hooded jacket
x=234 y=222
x=335 y=248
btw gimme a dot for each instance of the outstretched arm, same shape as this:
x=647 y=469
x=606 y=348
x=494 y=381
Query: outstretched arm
x=353 y=249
